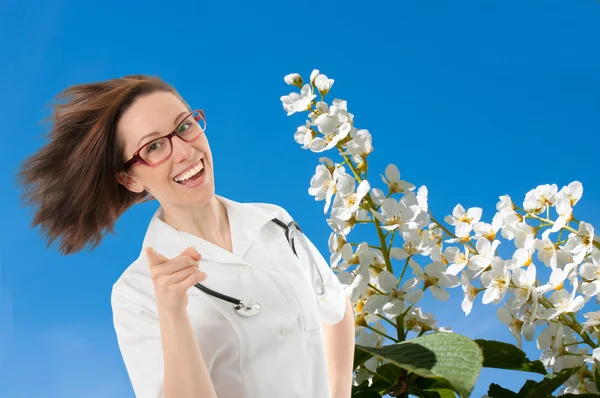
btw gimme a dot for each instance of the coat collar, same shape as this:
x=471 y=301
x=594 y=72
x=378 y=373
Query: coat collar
x=245 y=222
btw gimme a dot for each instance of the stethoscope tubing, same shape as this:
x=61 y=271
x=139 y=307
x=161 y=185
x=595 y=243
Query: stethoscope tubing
x=249 y=307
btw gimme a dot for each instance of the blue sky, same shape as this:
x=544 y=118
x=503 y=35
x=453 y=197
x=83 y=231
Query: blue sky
x=472 y=99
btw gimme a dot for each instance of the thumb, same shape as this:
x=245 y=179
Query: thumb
x=190 y=251
x=153 y=257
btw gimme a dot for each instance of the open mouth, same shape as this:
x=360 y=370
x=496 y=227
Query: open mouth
x=192 y=175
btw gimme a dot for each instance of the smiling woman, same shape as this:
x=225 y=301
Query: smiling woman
x=127 y=140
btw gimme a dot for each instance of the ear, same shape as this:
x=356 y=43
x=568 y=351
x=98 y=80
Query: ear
x=129 y=182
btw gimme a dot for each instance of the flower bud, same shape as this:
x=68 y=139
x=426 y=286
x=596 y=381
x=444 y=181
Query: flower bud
x=323 y=84
x=293 y=79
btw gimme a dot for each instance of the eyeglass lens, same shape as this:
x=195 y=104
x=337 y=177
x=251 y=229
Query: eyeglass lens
x=188 y=130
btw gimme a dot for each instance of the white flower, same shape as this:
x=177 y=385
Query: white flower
x=563 y=303
x=538 y=199
x=593 y=319
x=547 y=252
x=462 y=231
x=458 y=260
x=332 y=133
x=435 y=278
x=413 y=245
x=322 y=185
x=505 y=205
x=595 y=358
x=377 y=196
x=481 y=261
x=553 y=340
x=304 y=136
x=346 y=201
x=525 y=283
x=393 y=181
x=360 y=144
x=564 y=210
x=313 y=76
x=416 y=321
x=392 y=303
x=557 y=279
x=590 y=272
x=486 y=230
x=496 y=281
x=295 y=102
x=422 y=193
x=470 y=292
x=574 y=191
x=398 y=214
x=522 y=257
x=359 y=285
x=524 y=234
x=323 y=84
x=579 y=245
x=293 y=79
x=514 y=324
x=459 y=215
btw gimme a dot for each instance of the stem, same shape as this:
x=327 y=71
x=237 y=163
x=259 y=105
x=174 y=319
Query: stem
x=471 y=245
x=377 y=375
x=573 y=325
x=377 y=290
x=403 y=271
x=384 y=249
x=381 y=333
x=575 y=343
x=386 y=319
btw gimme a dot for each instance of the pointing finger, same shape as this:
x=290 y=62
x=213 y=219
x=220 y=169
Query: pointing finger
x=153 y=257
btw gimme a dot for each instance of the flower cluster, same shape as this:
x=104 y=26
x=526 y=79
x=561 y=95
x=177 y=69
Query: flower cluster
x=462 y=251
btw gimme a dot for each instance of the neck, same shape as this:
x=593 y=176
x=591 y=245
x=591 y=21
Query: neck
x=208 y=220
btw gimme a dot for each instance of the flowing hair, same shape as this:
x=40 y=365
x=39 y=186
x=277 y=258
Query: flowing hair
x=71 y=182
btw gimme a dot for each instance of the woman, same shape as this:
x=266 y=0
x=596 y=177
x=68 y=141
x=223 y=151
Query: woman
x=128 y=140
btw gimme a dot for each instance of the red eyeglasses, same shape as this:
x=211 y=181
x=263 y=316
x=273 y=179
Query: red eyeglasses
x=160 y=149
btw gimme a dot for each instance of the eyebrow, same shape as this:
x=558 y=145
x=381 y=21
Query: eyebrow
x=157 y=133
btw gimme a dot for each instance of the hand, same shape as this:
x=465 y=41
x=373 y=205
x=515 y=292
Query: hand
x=172 y=278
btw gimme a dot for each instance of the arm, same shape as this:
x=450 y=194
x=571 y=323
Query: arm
x=339 y=351
x=185 y=371
x=162 y=358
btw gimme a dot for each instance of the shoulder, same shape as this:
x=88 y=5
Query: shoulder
x=134 y=284
x=281 y=212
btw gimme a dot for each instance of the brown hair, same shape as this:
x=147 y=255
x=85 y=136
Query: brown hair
x=71 y=181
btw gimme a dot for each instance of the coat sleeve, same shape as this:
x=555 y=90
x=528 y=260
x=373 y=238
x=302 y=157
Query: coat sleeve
x=332 y=304
x=138 y=336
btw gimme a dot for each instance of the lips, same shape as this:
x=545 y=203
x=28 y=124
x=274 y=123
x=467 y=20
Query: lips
x=201 y=161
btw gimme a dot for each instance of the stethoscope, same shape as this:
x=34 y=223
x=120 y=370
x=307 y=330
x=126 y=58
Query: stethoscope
x=293 y=234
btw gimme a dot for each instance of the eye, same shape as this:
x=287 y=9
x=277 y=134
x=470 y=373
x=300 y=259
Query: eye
x=183 y=127
x=153 y=146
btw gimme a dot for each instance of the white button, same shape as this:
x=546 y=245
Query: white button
x=245 y=268
x=286 y=330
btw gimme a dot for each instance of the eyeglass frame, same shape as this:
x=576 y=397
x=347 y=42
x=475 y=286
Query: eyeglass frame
x=136 y=158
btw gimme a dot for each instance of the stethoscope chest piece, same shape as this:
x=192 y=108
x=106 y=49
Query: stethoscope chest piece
x=247 y=308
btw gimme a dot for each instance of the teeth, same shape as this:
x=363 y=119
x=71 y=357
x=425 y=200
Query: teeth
x=190 y=173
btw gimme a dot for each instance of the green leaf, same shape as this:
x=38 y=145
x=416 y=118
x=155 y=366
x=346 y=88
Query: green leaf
x=551 y=382
x=360 y=357
x=495 y=391
x=450 y=356
x=500 y=355
x=389 y=371
x=526 y=387
x=597 y=376
x=433 y=393
x=430 y=388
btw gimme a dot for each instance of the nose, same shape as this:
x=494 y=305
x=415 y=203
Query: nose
x=182 y=150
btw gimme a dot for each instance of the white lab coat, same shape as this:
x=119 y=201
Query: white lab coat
x=277 y=353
